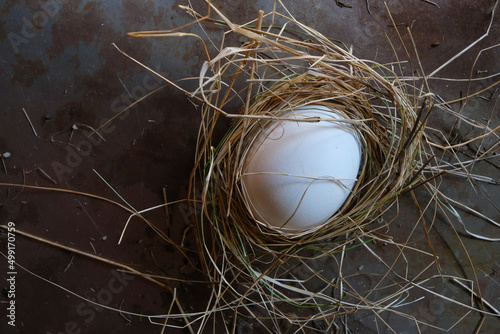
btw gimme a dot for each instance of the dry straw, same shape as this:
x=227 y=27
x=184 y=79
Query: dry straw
x=274 y=276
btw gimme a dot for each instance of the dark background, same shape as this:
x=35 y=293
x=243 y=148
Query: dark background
x=58 y=63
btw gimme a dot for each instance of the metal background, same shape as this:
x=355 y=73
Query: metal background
x=58 y=63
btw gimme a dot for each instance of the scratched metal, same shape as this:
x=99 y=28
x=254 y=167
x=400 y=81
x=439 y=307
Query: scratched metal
x=59 y=64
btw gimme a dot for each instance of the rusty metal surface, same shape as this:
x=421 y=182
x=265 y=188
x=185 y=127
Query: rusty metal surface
x=59 y=65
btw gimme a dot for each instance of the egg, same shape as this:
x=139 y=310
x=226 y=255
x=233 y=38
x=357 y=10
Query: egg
x=295 y=175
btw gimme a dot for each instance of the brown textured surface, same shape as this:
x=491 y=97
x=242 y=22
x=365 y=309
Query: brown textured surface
x=67 y=72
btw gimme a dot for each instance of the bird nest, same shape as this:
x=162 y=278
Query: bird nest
x=270 y=74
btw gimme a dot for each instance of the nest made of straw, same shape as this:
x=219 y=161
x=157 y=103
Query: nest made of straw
x=268 y=75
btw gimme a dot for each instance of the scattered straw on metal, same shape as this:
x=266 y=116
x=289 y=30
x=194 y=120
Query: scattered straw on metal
x=292 y=281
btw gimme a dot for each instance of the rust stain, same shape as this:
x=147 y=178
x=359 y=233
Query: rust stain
x=26 y=71
x=137 y=13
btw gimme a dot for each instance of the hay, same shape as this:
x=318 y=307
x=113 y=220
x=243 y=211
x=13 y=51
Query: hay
x=280 y=73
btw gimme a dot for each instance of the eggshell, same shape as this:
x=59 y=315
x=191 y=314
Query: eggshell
x=296 y=175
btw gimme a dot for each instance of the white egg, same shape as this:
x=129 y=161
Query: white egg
x=296 y=175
